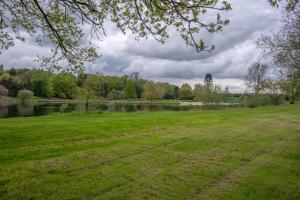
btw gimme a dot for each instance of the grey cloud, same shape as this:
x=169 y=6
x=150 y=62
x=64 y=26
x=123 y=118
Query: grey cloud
x=246 y=21
x=174 y=61
x=227 y=64
x=22 y=55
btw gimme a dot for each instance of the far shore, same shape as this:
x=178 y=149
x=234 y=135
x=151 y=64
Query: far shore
x=11 y=101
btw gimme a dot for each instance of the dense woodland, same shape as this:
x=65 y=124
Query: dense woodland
x=66 y=85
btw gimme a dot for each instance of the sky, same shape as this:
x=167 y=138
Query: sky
x=174 y=62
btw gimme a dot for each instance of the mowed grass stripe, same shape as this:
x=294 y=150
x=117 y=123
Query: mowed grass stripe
x=85 y=167
x=190 y=172
x=228 y=186
x=169 y=157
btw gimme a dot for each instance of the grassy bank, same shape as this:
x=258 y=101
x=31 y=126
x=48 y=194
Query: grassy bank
x=231 y=154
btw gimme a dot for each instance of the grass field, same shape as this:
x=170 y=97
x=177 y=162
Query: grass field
x=225 y=154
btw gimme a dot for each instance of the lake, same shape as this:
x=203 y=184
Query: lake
x=40 y=109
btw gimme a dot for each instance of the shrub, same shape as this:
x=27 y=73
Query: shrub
x=276 y=99
x=25 y=95
x=3 y=91
x=253 y=101
x=115 y=94
x=12 y=85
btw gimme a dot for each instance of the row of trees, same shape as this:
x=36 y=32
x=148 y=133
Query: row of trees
x=42 y=83
x=68 y=86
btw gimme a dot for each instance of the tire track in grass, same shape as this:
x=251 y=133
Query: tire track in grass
x=254 y=154
x=161 y=171
x=235 y=175
x=147 y=151
x=138 y=152
x=133 y=179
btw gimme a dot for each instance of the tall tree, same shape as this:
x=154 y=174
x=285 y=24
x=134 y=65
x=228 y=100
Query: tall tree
x=176 y=92
x=255 y=76
x=130 y=89
x=153 y=90
x=92 y=86
x=185 y=92
x=284 y=48
x=42 y=84
x=208 y=81
x=64 y=85
x=139 y=82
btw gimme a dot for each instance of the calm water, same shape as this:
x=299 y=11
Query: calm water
x=27 y=109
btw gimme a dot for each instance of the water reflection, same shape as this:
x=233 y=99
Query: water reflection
x=25 y=109
x=29 y=109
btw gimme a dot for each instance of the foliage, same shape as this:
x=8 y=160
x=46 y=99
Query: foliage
x=86 y=86
x=81 y=78
x=130 y=89
x=201 y=93
x=61 y=24
x=283 y=47
x=171 y=91
x=176 y=92
x=290 y=5
x=291 y=85
x=92 y=86
x=153 y=91
x=25 y=95
x=185 y=92
x=12 y=72
x=255 y=100
x=274 y=89
x=64 y=86
x=218 y=95
x=115 y=95
x=139 y=82
x=3 y=74
x=208 y=93
x=67 y=85
x=11 y=84
x=3 y=91
x=42 y=84
x=233 y=98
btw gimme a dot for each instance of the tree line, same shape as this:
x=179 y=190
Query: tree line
x=65 y=85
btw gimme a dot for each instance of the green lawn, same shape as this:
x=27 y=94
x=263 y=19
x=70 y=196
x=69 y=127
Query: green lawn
x=224 y=154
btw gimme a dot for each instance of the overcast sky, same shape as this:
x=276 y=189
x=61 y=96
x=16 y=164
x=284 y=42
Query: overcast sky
x=174 y=62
